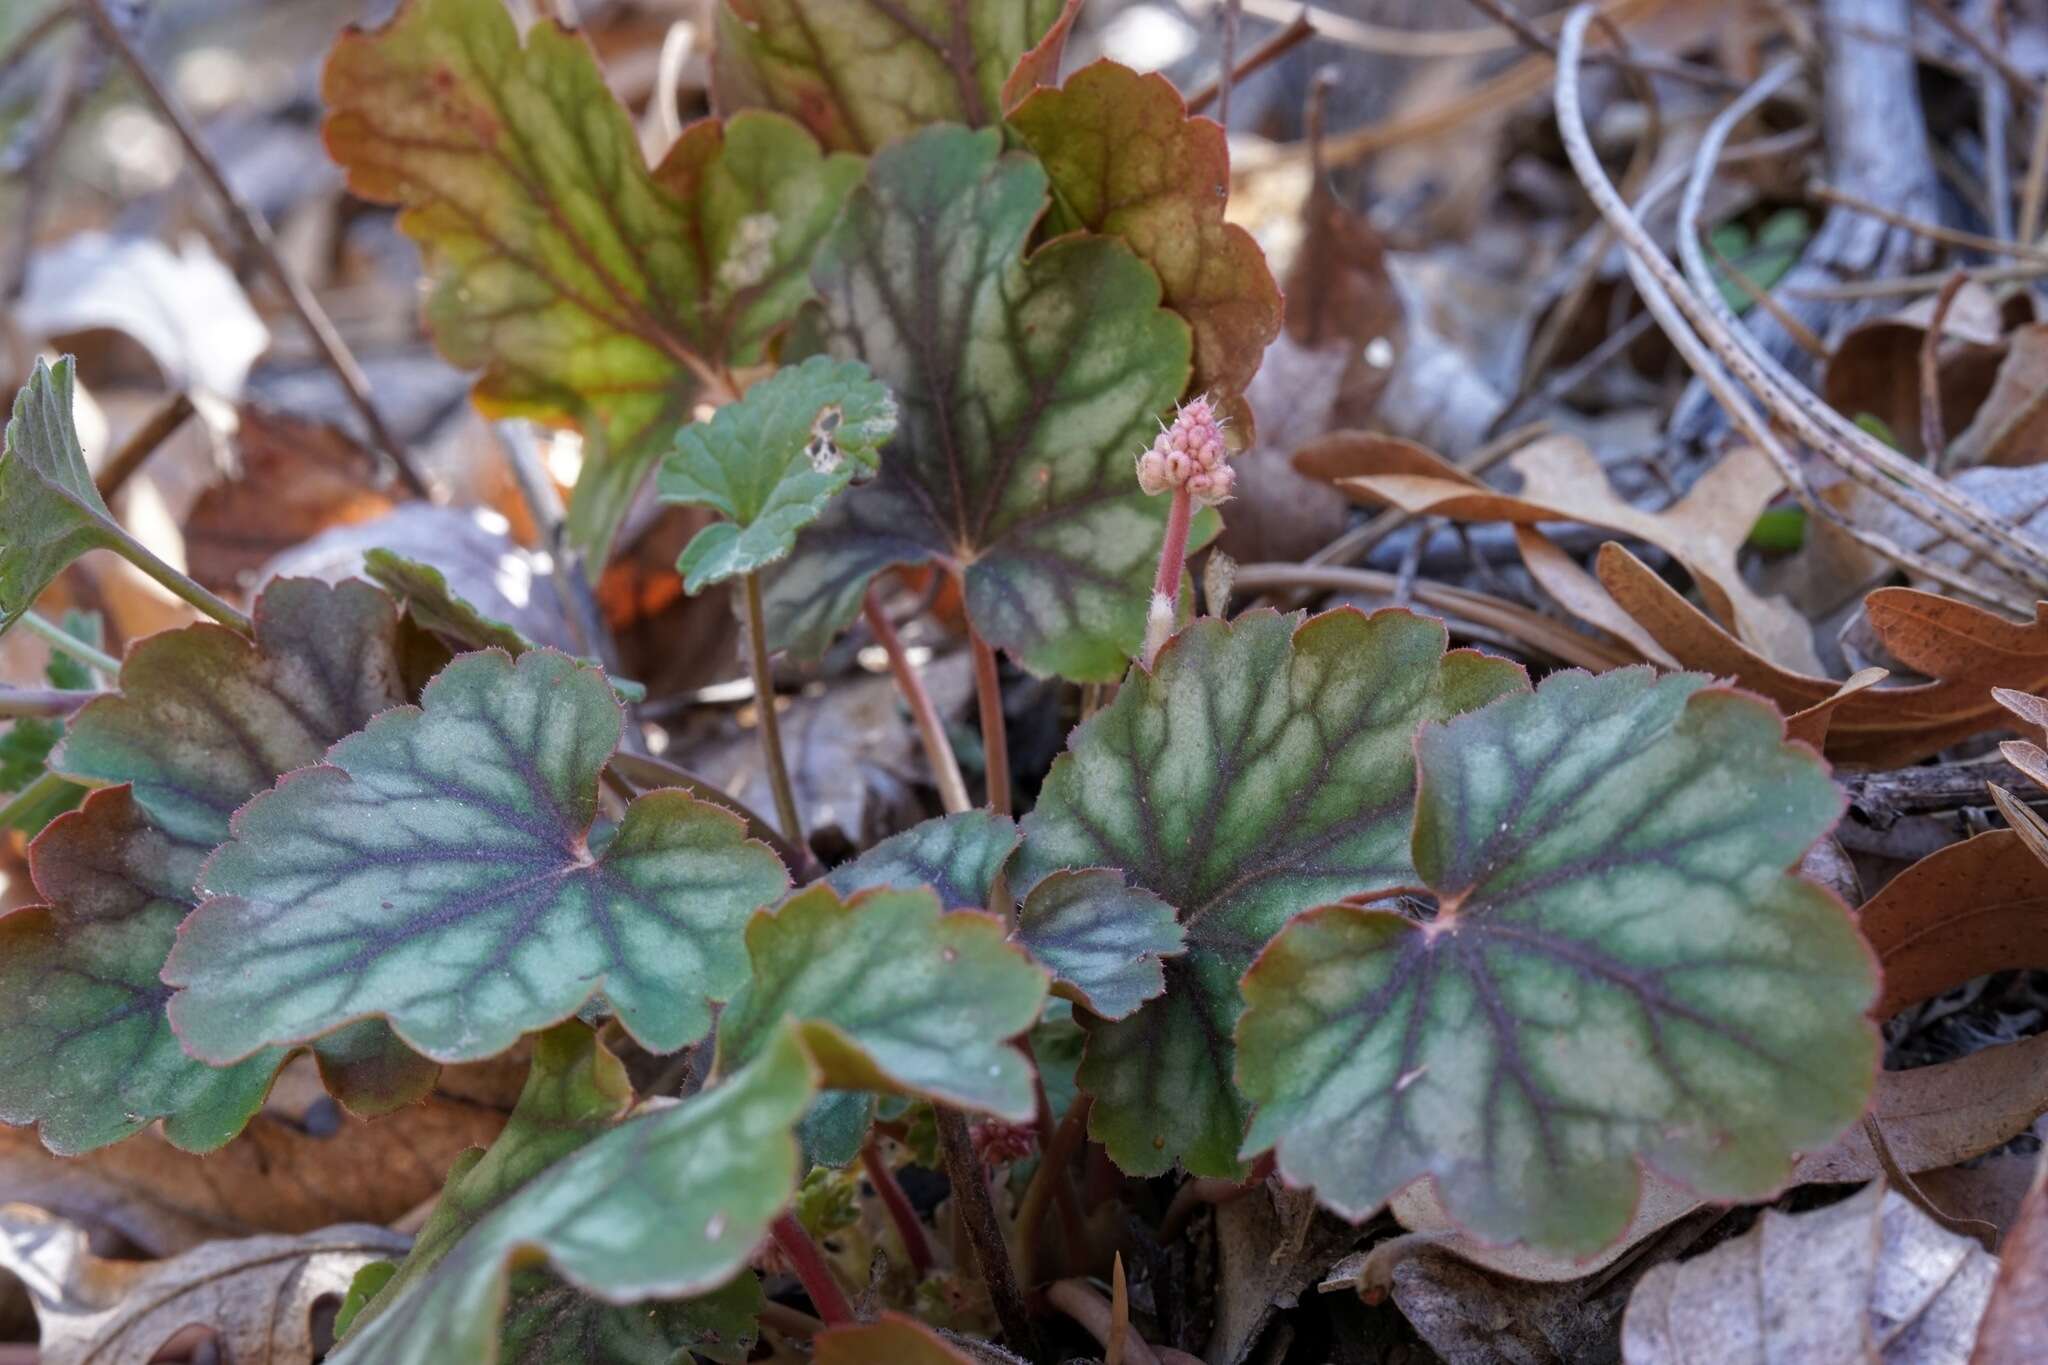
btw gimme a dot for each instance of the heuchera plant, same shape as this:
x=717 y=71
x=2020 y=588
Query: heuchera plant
x=1321 y=895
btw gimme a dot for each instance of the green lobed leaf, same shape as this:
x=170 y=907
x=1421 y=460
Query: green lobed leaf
x=50 y=513
x=575 y=1090
x=85 y=1050
x=682 y=1194
x=773 y=461
x=1620 y=973
x=436 y=871
x=430 y=601
x=958 y=856
x=835 y=1127
x=891 y=995
x=1264 y=766
x=591 y=290
x=551 y=1323
x=860 y=73
x=1127 y=160
x=204 y=719
x=1026 y=390
x=1103 y=940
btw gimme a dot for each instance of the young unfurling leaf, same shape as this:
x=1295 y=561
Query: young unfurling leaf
x=1263 y=767
x=1620 y=973
x=772 y=461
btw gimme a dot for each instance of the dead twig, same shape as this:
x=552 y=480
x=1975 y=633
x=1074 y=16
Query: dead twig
x=1265 y=54
x=1678 y=309
x=1933 y=432
x=257 y=236
x=1895 y=285
x=1522 y=627
x=141 y=444
x=2022 y=87
x=1530 y=36
x=1933 y=232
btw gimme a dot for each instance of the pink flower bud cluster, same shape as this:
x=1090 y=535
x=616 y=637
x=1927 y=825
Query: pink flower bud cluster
x=999 y=1143
x=1189 y=454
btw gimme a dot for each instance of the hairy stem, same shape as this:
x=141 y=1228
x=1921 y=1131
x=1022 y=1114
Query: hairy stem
x=978 y=1212
x=34 y=794
x=771 y=728
x=1173 y=557
x=812 y=1270
x=909 y=1226
x=938 y=750
x=138 y=554
x=995 y=741
x=16 y=702
x=64 y=642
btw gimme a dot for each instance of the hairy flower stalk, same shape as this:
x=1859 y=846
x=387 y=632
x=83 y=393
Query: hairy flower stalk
x=1186 y=459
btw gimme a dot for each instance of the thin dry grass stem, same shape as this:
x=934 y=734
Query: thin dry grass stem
x=1933 y=232
x=1678 y=309
x=1855 y=452
x=1933 y=430
x=1265 y=54
x=1484 y=615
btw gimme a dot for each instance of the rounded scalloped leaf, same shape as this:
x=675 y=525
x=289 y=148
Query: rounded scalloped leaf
x=85 y=1049
x=1103 y=940
x=1127 y=160
x=589 y=289
x=436 y=872
x=1264 y=766
x=205 y=719
x=1620 y=973
x=958 y=856
x=683 y=1195
x=892 y=995
x=1027 y=389
x=773 y=461
x=861 y=73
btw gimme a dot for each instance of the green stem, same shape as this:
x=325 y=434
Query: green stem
x=764 y=706
x=64 y=641
x=31 y=796
x=179 y=585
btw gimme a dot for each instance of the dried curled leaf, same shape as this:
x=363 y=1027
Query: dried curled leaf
x=590 y=290
x=436 y=871
x=1869 y=1279
x=860 y=73
x=1263 y=766
x=773 y=461
x=1027 y=388
x=258 y=1296
x=1619 y=973
x=1965 y=649
x=891 y=995
x=1127 y=160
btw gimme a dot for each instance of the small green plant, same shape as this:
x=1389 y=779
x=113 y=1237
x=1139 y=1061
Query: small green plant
x=1313 y=892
